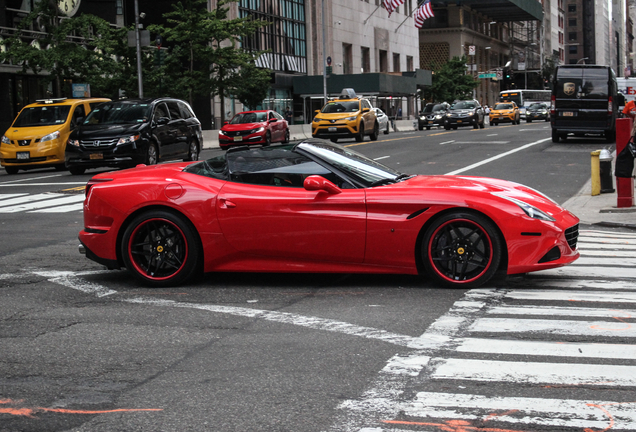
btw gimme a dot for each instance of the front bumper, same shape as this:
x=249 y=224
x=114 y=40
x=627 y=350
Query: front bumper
x=334 y=130
x=121 y=156
x=255 y=138
x=35 y=154
x=506 y=118
x=460 y=121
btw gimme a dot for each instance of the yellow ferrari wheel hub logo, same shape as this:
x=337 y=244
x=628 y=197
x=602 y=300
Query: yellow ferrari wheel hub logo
x=461 y=251
x=159 y=249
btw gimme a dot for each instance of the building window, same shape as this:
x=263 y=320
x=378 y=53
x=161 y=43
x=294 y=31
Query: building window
x=366 y=60
x=572 y=36
x=572 y=8
x=384 y=61
x=409 y=64
x=572 y=22
x=573 y=49
x=396 y=63
x=347 y=58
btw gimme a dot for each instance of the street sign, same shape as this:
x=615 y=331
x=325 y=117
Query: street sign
x=499 y=74
x=487 y=75
x=471 y=50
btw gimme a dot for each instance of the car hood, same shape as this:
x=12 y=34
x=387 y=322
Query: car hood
x=88 y=132
x=475 y=187
x=336 y=116
x=463 y=111
x=31 y=132
x=502 y=111
x=242 y=126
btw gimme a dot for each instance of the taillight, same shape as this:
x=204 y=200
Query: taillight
x=610 y=106
x=553 y=105
x=93 y=182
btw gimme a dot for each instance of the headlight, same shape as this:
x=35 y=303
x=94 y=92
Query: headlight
x=528 y=209
x=51 y=136
x=448 y=115
x=129 y=139
x=317 y=119
x=257 y=130
x=423 y=118
x=5 y=140
x=438 y=116
x=351 y=118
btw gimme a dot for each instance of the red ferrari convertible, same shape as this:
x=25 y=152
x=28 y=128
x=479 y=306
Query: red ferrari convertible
x=314 y=206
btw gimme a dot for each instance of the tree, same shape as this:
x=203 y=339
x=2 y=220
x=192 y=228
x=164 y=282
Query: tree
x=83 y=49
x=205 y=55
x=451 y=82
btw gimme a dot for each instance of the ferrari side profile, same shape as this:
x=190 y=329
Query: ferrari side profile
x=315 y=206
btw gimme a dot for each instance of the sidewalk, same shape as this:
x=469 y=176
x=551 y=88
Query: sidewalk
x=600 y=209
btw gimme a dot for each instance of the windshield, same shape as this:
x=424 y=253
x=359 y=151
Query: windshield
x=582 y=83
x=341 y=107
x=119 y=113
x=438 y=107
x=464 y=105
x=537 y=106
x=365 y=171
x=42 y=116
x=249 y=117
x=503 y=106
x=428 y=108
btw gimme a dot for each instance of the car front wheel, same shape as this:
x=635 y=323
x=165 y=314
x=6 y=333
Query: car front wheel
x=461 y=249
x=160 y=248
x=151 y=154
x=193 y=152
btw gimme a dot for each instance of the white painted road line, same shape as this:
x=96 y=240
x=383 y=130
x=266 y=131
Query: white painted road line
x=562 y=311
x=14 y=195
x=29 y=198
x=60 y=209
x=573 y=295
x=63 y=200
x=615 y=328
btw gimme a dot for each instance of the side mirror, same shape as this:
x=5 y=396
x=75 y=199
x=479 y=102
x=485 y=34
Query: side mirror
x=273 y=120
x=317 y=111
x=365 y=110
x=318 y=183
x=226 y=123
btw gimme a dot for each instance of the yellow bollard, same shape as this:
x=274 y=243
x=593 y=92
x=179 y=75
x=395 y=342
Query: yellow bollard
x=596 y=172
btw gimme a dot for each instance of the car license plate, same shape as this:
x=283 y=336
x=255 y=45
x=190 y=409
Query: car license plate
x=97 y=156
x=568 y=114
x=459 y=121
x=238 y=138
x=501 y=118
x=332 y=129
x=23 y=155
x=430 y=122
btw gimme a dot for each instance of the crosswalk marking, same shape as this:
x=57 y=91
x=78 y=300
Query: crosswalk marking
x=537 y=338
x=41 y=203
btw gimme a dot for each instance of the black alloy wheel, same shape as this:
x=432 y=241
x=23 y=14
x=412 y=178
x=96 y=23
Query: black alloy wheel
x=461 y=249
x=160 y=248
x=151 y=154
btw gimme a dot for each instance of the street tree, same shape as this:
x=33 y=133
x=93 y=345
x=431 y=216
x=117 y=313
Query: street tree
x=205 y=53
x=451 y=82
x=84 y=49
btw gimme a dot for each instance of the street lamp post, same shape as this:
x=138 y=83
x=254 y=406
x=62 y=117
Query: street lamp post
x=138 y=44
x=582 y=60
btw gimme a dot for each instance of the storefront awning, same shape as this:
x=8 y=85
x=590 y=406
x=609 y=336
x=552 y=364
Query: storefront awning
x=503 y=10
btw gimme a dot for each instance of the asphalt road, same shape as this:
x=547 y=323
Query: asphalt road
x=85 y=349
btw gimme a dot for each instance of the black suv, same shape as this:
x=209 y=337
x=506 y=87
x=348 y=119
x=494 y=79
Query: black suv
x=129 y=132
x=433 y=114
x=465 y=113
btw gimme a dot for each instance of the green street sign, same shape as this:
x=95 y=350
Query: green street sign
x=487 y=75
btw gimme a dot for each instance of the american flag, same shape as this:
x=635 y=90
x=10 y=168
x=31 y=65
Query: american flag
x=391 y=5
x=423 y=12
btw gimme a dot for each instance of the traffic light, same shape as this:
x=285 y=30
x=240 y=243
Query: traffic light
x=160 y=57
x=329 y=70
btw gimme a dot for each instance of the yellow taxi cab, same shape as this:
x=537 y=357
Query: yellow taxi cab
x=348 y=116
x=505 y=112
x=37 y=138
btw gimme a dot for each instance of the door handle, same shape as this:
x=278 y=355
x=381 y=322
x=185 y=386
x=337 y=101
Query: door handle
x=225 y=203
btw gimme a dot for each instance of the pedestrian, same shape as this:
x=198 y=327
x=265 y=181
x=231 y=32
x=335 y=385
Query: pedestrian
x=288 y=115
x=624 y=166
x=630 y=111
x=399 y=113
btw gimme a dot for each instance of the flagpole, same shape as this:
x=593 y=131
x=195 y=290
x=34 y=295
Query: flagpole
x=409 y=16
x=372 y=13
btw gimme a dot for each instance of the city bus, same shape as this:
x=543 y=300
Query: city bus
x=523 y=98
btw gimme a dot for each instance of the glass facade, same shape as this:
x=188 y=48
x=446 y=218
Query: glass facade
x=285 y=37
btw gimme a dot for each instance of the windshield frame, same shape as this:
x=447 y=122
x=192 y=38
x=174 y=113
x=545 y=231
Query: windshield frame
x=96 y=116
x=58 y=120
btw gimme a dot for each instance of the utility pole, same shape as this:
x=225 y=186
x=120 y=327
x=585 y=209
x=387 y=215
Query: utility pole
x=138 y=43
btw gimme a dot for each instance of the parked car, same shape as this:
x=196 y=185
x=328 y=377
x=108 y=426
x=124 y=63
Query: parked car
x=315 y=206
x=254 y=127
x=505 y=112
x=37 y=138
x=465 y=113
x=433 y=114
x=383 y=120
x=128 y=132
x=538 y=111
x=348 y=116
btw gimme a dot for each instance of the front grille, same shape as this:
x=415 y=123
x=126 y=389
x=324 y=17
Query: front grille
x=26 y=161
x=238 y=133
x=99 y=143
x=24 y=142
x=572 y=235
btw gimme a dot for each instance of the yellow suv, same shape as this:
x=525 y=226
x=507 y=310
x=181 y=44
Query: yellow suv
x=349 y=116
x=37 y=138
x=505 y=112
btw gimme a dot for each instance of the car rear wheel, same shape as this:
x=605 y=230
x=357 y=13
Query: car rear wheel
x=193 y=152
x=77 y=170
x=160 y=248
x=461 y=249
x=555 y=136
x=151 y=154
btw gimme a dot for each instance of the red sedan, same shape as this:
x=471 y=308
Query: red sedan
x=314 y=206
x=254 y=127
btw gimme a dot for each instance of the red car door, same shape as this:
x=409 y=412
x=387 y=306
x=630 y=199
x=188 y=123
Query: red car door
x=291 y=222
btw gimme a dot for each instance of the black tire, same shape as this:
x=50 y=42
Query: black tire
x=482 y=125
x=454 y=127
x=610 y=136
x=528 y=120
x=268 y=138
x=151 y=154
x=77 y=170
x=476 y=124
x=386 y=131
x=547 y=119
x=193 y=152
x=427 y=128
x=224 y=146
x=376 y=132
x=555 y=136
x=447 y=127
x=160 y=248
x=360 y=135
x=461 y=249
x=493 y=123
x=60 y=167
x=286 y=138
x=11 y=170
x=334 y=140
x=420 y=127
